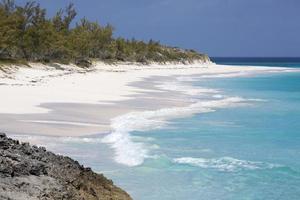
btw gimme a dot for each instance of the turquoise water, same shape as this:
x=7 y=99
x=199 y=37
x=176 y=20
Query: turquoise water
x=239 y=151
x=248 y=152
x=266 y=134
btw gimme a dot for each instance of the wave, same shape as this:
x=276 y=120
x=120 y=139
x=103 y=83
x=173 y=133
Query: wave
x=228 y=75
x=186 y=89
x=224 y=164
x=132 y=153
x=217 y=75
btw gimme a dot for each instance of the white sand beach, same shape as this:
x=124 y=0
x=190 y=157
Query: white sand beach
x=62 y=100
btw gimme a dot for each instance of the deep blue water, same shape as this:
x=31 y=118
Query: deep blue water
x=260 y=61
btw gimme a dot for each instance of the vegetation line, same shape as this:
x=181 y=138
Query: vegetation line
x=27 y=34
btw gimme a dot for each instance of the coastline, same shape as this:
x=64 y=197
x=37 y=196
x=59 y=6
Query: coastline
x=125 y=100
x=87 y=100
x=112 y=101
x=88 y=129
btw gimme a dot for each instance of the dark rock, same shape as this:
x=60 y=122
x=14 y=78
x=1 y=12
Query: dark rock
x=42 y=149
x=38 y=169
x=3 y=145
x=35 y=173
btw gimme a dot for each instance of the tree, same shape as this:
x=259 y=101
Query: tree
x=63 y=18
x=27 y=33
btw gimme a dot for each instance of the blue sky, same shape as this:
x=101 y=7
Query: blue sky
x=217 y=27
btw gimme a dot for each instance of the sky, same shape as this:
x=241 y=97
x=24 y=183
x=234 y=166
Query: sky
x=226 y=28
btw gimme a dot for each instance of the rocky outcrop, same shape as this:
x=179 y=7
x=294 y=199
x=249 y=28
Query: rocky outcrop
x=31 y=172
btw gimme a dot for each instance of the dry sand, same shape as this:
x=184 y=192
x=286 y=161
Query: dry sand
x=61 y=100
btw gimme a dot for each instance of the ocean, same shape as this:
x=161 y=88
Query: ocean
x=241 y=152
x=239 y=139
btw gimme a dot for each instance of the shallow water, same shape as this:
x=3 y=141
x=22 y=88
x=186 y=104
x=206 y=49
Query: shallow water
x=240 y=139
x=248 y=152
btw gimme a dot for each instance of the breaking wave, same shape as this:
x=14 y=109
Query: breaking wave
x=132 y=153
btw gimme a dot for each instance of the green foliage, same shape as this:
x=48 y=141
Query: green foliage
x=27 y=34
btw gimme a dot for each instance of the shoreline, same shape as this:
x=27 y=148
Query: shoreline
x=87 y=101
x=149 y=99
x=124 y=150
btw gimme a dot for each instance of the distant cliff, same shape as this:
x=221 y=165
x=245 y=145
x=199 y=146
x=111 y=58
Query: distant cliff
x=32 y=173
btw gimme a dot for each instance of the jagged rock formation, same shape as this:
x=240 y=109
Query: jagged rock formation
x=31 y=172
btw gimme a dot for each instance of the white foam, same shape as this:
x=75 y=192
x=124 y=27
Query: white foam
x=131 y=153
x=225 y=164
x=186 y=89
x=217 y=75
x=218 y=96
x=227 y=75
